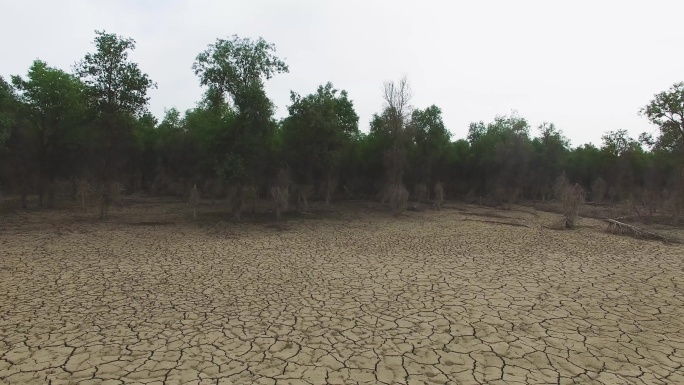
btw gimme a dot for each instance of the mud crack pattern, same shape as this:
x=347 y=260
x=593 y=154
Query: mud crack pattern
x=428 y=299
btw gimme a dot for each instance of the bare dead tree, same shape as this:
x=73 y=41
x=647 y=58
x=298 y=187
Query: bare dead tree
x=397 y=97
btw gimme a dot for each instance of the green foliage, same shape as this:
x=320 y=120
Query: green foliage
x=234 y=71
x=431 y=143
x=320 y=128
x=666 y=111
x=95 y=123
x=237 y=67
x=113 y=83
x=616 y=143
x=51 y=103
x=117 y=91
x=8 y=103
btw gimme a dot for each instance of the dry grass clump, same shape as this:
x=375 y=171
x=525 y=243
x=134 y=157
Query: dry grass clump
x=439 y=195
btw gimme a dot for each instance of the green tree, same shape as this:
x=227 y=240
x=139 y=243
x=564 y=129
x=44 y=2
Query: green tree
x=117 y=90
x=666 y=111
x=7 y=107
x=319 y=129
x=550 y=150
x=501 y=152
x=54 y=107
x=432 y=141
x=234 y=71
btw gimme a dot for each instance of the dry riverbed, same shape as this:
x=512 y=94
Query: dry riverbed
x=356 y=297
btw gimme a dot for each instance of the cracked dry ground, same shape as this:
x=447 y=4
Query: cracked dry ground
x=428 y=298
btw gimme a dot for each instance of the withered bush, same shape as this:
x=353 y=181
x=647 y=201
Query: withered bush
x=573 y=197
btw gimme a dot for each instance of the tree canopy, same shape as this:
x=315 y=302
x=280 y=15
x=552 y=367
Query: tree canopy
x=93 y=124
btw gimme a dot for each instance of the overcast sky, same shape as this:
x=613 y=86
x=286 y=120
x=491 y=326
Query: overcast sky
x=587 y=66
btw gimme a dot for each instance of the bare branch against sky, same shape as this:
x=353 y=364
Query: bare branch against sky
x=587 y=66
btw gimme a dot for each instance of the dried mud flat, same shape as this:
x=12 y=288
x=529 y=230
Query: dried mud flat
x=360 y=299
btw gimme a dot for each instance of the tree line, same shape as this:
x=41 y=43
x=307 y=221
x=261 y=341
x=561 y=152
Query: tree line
x=91 y=125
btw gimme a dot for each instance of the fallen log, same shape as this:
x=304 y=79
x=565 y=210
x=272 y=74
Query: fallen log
x=621 y=228
x=498 y=222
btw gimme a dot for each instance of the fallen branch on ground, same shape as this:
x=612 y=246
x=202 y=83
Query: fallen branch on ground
x=622 y=228
x=498 y=222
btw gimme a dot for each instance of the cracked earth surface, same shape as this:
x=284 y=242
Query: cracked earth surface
x=427 y=299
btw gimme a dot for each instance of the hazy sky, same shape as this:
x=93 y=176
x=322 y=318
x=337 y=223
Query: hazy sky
x=587 y=66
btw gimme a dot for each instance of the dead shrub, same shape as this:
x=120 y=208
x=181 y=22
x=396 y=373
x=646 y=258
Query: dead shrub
x=439 y=195
x=573 y=197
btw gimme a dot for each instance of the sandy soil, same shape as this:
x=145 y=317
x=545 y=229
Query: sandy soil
x=353 y=298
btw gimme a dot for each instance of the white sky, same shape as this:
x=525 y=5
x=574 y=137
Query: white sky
x=587 y=66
